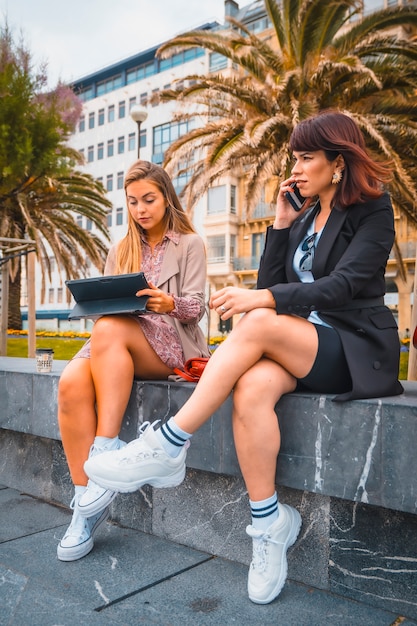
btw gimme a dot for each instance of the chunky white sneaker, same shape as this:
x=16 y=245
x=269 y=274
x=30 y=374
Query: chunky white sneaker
x=142 y=462
x=268 y=570
x=78 y=540
x=95 y=498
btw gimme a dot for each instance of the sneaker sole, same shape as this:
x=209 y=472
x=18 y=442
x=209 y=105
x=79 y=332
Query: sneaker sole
x=77 y=552
x=95 y=507
x=154 y=481
x=296 y=522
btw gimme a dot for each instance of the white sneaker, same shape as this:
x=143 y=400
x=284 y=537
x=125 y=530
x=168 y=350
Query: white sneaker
x=268 y=570
x=78 y=540
x=95 y=498
x=142 y=462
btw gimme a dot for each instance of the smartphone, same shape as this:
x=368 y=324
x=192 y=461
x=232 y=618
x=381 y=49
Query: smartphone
x=295 y=198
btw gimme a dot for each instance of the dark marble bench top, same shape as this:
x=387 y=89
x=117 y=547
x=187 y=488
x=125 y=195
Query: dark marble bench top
x=363 y=450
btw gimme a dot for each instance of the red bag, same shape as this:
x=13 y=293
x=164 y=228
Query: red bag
x=193 y=368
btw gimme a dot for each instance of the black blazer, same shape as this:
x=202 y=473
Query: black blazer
x=348 y=289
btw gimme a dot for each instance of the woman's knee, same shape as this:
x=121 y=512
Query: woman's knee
x=75 y=385
x=262 y=386
x=112 y=330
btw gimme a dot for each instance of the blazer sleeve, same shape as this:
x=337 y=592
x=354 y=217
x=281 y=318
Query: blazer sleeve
x=193 y=274
x=352 y=265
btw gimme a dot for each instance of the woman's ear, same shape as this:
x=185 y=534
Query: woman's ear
x=340 y=163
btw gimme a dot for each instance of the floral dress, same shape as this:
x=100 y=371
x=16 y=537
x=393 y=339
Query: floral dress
x=162 y=337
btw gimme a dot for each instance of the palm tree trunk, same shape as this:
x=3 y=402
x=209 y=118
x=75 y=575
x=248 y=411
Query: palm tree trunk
x=15 y=316
x=412 y=355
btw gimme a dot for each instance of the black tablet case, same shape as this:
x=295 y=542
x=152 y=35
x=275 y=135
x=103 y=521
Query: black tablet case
x=107 y=295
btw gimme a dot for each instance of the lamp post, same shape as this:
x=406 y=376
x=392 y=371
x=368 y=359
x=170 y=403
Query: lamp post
x=138 y=114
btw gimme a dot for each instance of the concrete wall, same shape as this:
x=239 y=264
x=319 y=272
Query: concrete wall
x=350 y=469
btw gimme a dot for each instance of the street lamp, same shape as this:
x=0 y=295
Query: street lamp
x=138 y=114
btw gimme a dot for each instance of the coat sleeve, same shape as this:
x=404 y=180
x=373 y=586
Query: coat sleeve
x=190 y=299
x=353 y=267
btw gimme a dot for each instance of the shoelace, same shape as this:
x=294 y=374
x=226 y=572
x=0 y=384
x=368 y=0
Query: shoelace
x=78 y=522
x=125 y=453
x=260 y=550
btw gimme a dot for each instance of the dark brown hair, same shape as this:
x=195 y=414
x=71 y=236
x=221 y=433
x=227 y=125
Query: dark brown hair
x=337 y=133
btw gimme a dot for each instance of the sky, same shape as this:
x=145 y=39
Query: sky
x=78 y=37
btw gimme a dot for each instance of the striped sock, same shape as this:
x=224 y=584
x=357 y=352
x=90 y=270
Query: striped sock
x=264 y=512
x=172 y=437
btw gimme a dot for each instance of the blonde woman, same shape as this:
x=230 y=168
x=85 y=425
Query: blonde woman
x=95 y=386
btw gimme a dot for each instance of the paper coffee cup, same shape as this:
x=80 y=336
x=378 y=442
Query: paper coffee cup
x=44 y=359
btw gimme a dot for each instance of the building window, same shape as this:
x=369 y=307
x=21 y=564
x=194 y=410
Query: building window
x=101 y=117
x=51 y=295
x=120 y=177
x=109 y=182
x=217 y=62
x=120 y=145
x=142 y=138
x=110 y=84
x=131 y=143
x=82 y=152
x=233 y=199
x=110 y=113
x=109 y=218
x=258 y=242
x=119 y=216
x=233 y=253
x=90 y=154
x=91 y=120
x=89 y=224
x=140 y=72
x=110 y=148
x=154 y=92
x=216 y=200
x=100 y=151
x=79 y=220
x=132 y=101
x=216 y=249
x=81 y=124
x=143 y=98
x=165 y=135
x=122 y=109
x=59 y=295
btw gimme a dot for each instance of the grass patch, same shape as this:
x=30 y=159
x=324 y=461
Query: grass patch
x=64 y=349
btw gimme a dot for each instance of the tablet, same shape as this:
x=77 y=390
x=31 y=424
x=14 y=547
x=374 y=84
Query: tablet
x=107 y=295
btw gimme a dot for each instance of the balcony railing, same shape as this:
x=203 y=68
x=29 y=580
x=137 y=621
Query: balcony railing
x=245 y=263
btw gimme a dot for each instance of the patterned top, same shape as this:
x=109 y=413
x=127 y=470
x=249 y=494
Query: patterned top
x=162 y=337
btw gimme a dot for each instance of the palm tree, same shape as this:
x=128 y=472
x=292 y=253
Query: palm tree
x=41 y=190
x=45 y=211
x=315 y=57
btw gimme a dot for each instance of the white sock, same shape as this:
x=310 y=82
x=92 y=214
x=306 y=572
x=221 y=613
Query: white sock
x=79 y=489
x=264 y=512
x=110 y=443
x=172 y=438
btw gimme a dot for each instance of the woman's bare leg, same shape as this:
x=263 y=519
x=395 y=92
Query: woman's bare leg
x=119 y=352
x=255 y=425
x=77 y=416
x=290 y=341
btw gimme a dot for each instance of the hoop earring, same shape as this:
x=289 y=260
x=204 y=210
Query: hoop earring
x=336 y=178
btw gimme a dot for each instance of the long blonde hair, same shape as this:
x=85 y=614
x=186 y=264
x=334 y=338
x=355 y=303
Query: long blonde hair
x=129 y=249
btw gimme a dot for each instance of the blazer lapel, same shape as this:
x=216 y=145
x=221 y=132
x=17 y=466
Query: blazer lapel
x=170 y=265
x=298 y=233
x=331 y=230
